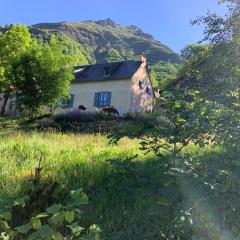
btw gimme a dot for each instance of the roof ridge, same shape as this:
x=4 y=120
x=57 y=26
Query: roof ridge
x=105 y=63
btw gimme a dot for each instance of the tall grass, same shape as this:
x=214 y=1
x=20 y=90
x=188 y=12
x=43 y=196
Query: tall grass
x=128 y=203
x=72 y=160
x=68 y=158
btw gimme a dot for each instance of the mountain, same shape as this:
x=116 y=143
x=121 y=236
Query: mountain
x=110 y=41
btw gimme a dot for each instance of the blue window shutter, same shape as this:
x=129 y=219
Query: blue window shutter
x=96 y=100
x=109 y=95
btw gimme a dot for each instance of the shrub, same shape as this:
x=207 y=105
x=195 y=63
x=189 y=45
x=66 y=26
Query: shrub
x=30 y=217
x=77 y=116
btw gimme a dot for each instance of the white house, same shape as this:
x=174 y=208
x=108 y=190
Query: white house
x=125 y=85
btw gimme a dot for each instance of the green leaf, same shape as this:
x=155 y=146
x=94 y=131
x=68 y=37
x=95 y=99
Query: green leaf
x=24 y=228
x=28 y=186
x=58 y=218
x=6 y=215
x=21 y=201
x=70 y=216
x=76 y=229
x=181 y=120
x=44 y=233
x=95 y=228
x=55 y=208
x=57 y=236
x=36 y=223
x=4 y=236
x=94 y=232
x=177 y=105
x=78 y=197
x=42 y=215
x=4 y=224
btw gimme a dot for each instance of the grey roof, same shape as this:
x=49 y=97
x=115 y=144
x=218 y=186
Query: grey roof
x=95 y=72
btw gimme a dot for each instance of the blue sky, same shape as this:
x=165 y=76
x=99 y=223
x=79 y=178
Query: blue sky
x=167 y=20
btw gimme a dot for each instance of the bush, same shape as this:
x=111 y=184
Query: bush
x=77 y=116
x=37 y=214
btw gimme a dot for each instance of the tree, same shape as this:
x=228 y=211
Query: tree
x=203 y=109
x=79 y=55
x=42 y=76
x=109 y=54
x=196 y=70
x=165 y=72
x=153 y=77
x=218 y=71
x=194 y=52
x=13 y=44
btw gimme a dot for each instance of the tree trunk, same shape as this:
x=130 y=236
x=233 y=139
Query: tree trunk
x=4 y=105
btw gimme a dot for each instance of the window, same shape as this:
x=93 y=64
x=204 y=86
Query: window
x=102 y=99
x=106 y=71
x=68 y=103
x=148 y=91
x=141 y=84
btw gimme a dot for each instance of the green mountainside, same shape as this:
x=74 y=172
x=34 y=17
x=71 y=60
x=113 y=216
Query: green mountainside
x=109 y=41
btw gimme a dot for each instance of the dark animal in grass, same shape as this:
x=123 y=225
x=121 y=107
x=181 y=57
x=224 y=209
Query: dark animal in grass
x=110 y=111
x=82 y=108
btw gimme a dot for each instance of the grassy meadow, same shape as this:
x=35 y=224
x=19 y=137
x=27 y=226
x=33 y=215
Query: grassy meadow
x=127 y=188
x=73 y=161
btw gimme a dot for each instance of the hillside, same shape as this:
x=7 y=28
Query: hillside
x=110 y=41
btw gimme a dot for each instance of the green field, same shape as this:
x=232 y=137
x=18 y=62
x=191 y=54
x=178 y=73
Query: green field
x=128 y=199
x=118 y=203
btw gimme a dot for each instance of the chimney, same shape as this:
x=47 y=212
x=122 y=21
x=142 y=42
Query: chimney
x=140 y=57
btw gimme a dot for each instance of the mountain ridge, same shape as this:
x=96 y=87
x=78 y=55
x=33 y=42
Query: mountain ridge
x=110 y=41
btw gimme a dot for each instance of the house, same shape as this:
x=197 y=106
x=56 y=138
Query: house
x=125 y=86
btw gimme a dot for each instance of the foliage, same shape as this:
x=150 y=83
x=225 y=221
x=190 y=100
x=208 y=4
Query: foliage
x=182 y=119
x=37 y=72
x=79 y=55
x=196 y=71
x=204 y=110
x=109 y=55
x=163 y=73
x=13 y=44
x=42 y=76
x=58 y=222
x=38 y=213
x=194 y=52
x=77 y=116
x=153 y=77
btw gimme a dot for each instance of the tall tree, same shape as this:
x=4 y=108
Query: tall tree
x=42 y=76
x=79 y=55
x=165 y=72
x=13 y=44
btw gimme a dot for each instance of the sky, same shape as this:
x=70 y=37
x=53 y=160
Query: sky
x=167 y=20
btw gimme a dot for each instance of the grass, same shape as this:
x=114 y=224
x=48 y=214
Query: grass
x=126 y=197
x=82 y=154
x=72 y=160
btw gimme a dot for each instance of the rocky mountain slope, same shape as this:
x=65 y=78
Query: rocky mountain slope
x=110 y=41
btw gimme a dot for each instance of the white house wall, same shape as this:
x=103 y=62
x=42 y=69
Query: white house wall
x=140 y=100
x=84 y=94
